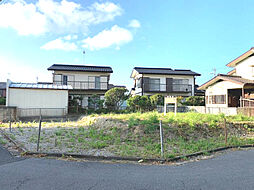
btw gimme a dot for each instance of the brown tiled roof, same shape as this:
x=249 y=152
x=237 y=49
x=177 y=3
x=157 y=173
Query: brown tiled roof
x=235 y=79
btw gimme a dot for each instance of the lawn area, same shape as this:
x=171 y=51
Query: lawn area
x=135 y=134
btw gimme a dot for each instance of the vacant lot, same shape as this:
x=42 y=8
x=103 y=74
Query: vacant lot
x=135 y=134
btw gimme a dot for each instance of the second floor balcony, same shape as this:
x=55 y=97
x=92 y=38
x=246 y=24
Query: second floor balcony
x=84 y=85
x=181 y=88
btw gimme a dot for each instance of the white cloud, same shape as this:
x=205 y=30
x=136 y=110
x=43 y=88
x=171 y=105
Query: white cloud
x=70 y=37
x=54 y=16
x=134 y=24
x=22 y=17
x=115 y=36
x=60 y=44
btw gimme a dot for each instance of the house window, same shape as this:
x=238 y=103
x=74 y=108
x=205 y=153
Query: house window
x=180 y=81
x=65 y=79
x=154 y=84
x=210 y=100
x=217 y=99
x=181 y=85
x=97 y=82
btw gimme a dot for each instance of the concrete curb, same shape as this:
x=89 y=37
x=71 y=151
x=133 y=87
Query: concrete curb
x=91 y=157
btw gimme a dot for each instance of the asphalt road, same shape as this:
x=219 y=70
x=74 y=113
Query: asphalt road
x=234 y=170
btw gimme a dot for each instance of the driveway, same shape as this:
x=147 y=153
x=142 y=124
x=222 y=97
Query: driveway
x=234 y=170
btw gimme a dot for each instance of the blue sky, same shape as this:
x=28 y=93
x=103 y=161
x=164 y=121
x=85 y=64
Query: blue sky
x=198 y=35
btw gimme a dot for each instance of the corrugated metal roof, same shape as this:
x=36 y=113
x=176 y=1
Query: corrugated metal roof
x=40 y=86
x=2 y=85
x=84 y=68
x=164 y=71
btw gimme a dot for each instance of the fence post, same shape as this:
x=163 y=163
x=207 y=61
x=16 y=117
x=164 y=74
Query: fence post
x=39 y=135
x=225 y=131
x=10 y=121
x=161 y=138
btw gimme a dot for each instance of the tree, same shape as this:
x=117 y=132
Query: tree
x=95 y=102
x=194 y=101
x=157 y=100
x=139 y=103
x=115 y=97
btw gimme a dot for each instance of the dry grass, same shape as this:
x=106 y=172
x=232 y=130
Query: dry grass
x=133 y=134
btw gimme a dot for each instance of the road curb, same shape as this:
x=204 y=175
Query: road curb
x=91 y=157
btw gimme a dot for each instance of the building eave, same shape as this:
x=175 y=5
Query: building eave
x=216 y=79
x=241 y=58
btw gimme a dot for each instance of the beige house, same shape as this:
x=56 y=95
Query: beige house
x=236 y=88
x=85 y=80
x=165 y=81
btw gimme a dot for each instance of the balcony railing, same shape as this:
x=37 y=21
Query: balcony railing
x=85 y=85
x=244 y=102
x=150 y=87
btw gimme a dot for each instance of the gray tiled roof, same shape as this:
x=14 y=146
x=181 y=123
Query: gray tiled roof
x=84 y=68
x=165 y=71
x=40 y=86
x=2 y=85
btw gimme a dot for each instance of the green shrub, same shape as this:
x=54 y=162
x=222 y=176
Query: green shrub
x=95 y=102
x=2 y=101
x=139 y=103
x=194 y=101
x=157 y=100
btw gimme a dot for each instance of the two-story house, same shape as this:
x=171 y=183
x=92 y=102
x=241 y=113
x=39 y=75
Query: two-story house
x=85 y=80
x=236 y=88
x=165 y=81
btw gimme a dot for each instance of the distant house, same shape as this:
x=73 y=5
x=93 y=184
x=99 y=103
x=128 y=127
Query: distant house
x=32 y=99
x=165 y=81
x=86 y=81
x=2 y=89
x=234 y=89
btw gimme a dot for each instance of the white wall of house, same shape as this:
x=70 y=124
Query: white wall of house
x=38 y=98
x=245 y=68
x=220 y=88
